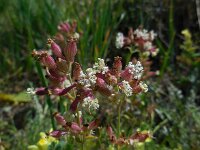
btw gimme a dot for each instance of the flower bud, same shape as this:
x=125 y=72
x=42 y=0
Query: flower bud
x=49 y=62
x=76 y=71
x=126 y=74
x=70 y=50
x=111 y=134
x=93 y=124
x=66 y=90
x=75 y=127
x=120 y=141
x=55 y=48
x=60 y=119
x=74 y=104
x=110 y=79
x=62 y=65
x=54 y=77
x=102 y=87
x=41 y=91
x=57 y=133
x=137 y=89
x=140 y=137
x=117 y=63
x=64 y=27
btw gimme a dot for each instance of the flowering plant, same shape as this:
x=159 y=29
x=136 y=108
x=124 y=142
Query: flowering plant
x=85 y=90
x=140 y=39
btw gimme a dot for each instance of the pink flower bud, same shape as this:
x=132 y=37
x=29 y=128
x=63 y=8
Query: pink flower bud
x=74 y=104
x=64 y=27
x=60 y=119
x=141 y=137
x=93 y=124
x=57 y=133
x=66 y=90
x=55 y=48
x=137 y=89
x=62 y=65
x=102 y=87
x=56 y=78
x=41 y=91
x=117 y=66
x=49 y=62
x=110 y=79
x=126 y=75
x=70 y=50
x=120 y=141
x=75 y=128
x=86 y=92
x=111 y=134
x=76 y=71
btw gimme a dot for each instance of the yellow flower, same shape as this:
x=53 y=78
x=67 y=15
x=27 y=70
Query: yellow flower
x=43 y=143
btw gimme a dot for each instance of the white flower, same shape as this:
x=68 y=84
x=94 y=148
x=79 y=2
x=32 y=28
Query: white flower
x=143 y=86
x=93 y=79
x=148 y=45
x=152 y=35
x=90 y=103
x=82 y=75
x=76 y=36
x=90 y=71
x=119 y=43
x=76 y=114
x=100 y=66
x=30 y=91
x=127 y=88
x=92 y=132
x=142 y=34
x=85 y=82
x=136 y=70
x=154 y=53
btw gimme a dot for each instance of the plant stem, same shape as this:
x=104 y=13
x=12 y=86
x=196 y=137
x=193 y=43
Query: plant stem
x=159 y=126
x=119 y=119
x=48 y=99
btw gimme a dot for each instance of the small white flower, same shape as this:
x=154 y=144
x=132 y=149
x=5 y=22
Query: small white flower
x=76 y=114
x=93 y=79
x=76 y=36
x=154 y=53
x=119 y=43
x=152 y=35
x=143 y=86
x=91 y=104
x=127 y=88
x=92 y=132
x=85 y=82
x=142 y=34
x=100 y=66
x=30 y=91
x=82 y=75
x=148 y=45
x=146 y=53
x=90 y=71
x=136 y=70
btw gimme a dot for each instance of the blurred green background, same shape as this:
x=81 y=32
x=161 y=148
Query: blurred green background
x=26 y=24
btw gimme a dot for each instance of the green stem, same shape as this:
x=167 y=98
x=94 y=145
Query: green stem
x=49 y=103
x=119 y=119
x=159 y=126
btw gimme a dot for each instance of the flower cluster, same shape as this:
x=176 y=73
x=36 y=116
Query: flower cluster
x=135 y=138
x=84 y=89
x=73 y=128
x=139 y=38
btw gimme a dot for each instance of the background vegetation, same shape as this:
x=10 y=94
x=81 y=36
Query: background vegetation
x=174 y=96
